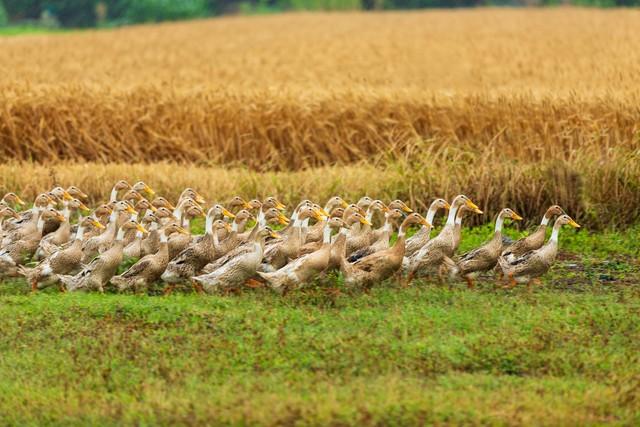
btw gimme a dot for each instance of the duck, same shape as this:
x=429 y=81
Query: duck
x=277 y=255
x=151 y=243
x=19 y=251
x=315 y=232
x=239 y=269
x=62 y=235
x=141 y=187
x=380 y=236
x=178 y=241
x=12 y=200
x=297 y=273
x=161 y=202
x=237 y=204
x=422 y=236
x=63 y=261
x=192 y=259
x=457 y=228
x=527 y=268
x=26 y=224
x=484 y=258
x=190 y=193
x=534 y=240
x=97 y=244
x=6 y=212
x=399 y=204
x=440 y=249
x=133 y=248
x=117 y=188
x=363 y=237
x=232 y=239
x=381 y=265
x=95 y=275
x=75 y=192
x=150 y=267
x=272 y=216
x=60 y=197
x=141 y=207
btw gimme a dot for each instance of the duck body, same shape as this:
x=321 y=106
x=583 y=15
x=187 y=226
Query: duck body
x=534 y=240
x=237 y=270
x=533 y=264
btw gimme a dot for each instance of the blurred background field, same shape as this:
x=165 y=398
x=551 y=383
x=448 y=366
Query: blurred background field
x=520 y=106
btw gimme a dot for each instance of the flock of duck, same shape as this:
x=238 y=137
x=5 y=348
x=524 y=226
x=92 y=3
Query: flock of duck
x=61 y=241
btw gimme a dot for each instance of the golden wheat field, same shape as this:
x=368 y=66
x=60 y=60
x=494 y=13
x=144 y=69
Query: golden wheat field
x=523 y=106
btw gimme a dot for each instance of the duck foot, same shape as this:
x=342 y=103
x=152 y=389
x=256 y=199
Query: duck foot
x=253 y=284
x=197 y=287
x=470 y=284
x=34 y=286
x=168 y=290
x=512 y=283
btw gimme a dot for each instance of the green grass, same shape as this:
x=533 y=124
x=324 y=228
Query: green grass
x=568 y=353
x=25 y=30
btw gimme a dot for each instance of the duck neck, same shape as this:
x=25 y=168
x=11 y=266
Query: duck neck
x=545 y=219
x=120 y=234
x=260 y=220
x=305 y=225
x=113 y=217
x=451 y=219
x=177 y=212
x=114 y=195
x=208 y=225
x=80 y=231
x=40 y=223
x=326 y=235
x=66 y=212
x=554 y=234
x=499 y=223
x=431 y=213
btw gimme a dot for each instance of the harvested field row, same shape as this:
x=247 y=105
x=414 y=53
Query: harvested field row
x=600 y=193
x=268 y=131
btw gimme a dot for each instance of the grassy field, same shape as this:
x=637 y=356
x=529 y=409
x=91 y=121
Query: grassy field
x=567 y=353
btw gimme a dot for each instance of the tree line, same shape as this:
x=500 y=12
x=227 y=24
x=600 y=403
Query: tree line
x=91 y=13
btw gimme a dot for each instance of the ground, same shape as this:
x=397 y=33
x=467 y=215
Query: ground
x=566 y=353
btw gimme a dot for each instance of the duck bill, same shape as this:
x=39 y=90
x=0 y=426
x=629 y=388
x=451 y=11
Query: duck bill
x=149 y=190
x=407 y=209
x=60 y=218
x=141 y=229
x=280 y=206
x=344 y=204
x=574 y=224
x=153 y=208
x=20 y=201
x=200 y=199
x=131 y=210
x=97 y=225
x=365 y=221
x=447 y=206
x=472 y=206
x=228 y=214
x=182 y=230
x=274 y=235
x=227 y=227
x=425 y=223
x=66 y=196
x=516 y=217
x=84 y=207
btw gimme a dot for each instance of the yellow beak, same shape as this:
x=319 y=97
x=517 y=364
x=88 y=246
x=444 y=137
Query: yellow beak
x=182 y=230
x=407 y=209
x=60 y=217
x=20 y=201
x=97 y=225
x=344 y=204
x=66 y=196
x=227 y=213
x=472 y=206
x=447 y=206
x=153 y=208
x=131 y=210
x=84 y=207
x=516 y=217
x=274 y=235
x=149 y=190
x=141 y=229
x=424 y=222
x=227 y=226
x=365 y=221
x=574 y=224
x=280 y=206
x=200 y=199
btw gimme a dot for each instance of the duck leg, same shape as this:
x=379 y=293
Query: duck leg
x=470 y=284
x=34 y=285
x=253 y=283
x=168 y=290
x=197 y=287
x=512 y=282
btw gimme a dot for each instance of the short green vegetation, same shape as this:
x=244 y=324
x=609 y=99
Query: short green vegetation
x=567 y=353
